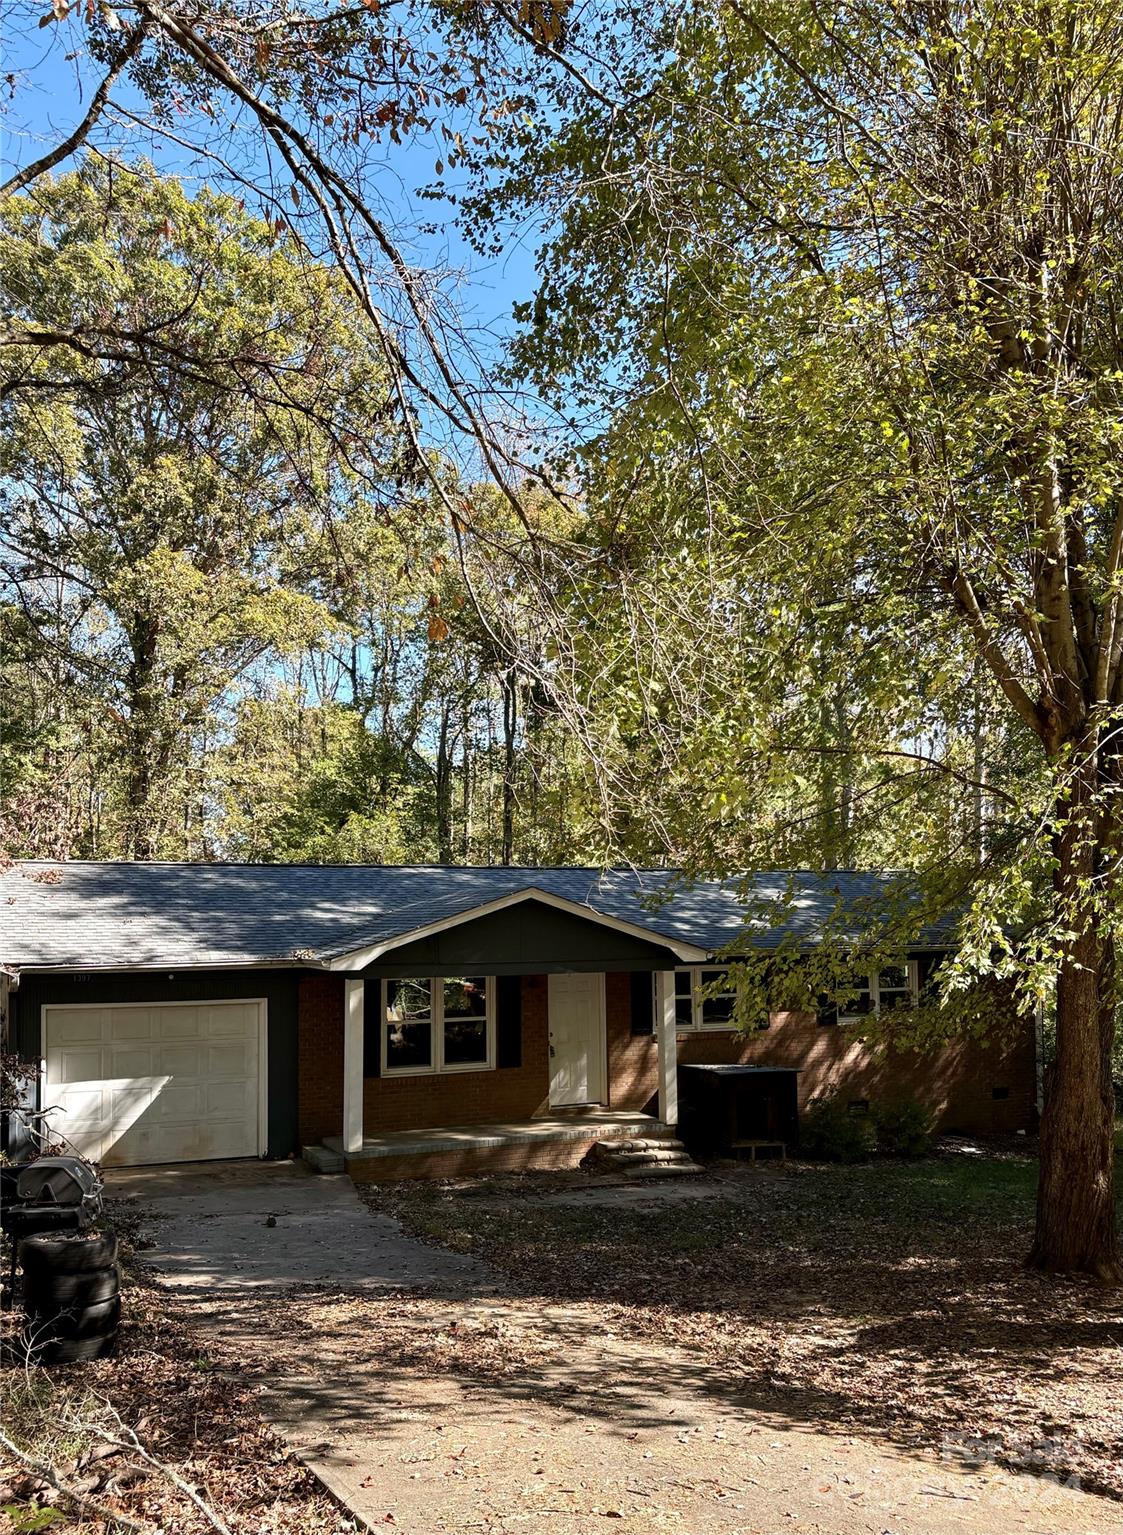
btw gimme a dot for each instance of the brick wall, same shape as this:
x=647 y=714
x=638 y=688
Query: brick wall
x=319 y=1013
x=544 y=1156
x=414 y=1103
x=633 y=1062
x=956 y=1082
x=469 y=1097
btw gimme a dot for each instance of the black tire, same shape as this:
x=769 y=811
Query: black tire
x=78 y=1350
x=77 y=1254
x=77 y=1322
x=57 y=1292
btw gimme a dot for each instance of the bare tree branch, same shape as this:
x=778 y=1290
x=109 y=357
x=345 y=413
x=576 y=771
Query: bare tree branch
x=62 y=151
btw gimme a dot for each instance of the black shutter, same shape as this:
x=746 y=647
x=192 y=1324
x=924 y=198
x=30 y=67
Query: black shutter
x=643 y=1002
x=508 y=1020
x=372 y=1029
x=827 y=1012
x=926 y=967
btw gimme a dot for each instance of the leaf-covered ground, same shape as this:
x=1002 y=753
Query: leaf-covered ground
x=882 y=1304
x=192 y=1409
x=888 y=1298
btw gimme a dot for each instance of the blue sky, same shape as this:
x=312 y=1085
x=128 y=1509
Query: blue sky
x=50 y=83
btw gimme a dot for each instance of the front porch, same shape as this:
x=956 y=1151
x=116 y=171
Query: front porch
x=503 y=1037
x=566 y=1058
x=551 y=1143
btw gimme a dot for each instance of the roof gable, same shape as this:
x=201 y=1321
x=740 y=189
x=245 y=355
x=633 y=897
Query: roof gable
x=365 y=954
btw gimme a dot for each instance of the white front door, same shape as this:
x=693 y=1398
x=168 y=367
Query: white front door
x=159 y=1082
x=577 y=1040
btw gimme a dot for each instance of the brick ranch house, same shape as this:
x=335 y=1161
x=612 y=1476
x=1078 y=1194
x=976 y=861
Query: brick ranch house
x=426 y=1020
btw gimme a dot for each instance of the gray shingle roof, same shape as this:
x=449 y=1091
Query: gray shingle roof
x=85 y=915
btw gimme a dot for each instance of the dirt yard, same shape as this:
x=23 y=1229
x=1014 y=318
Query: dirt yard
x=831 y=1351
x=887 y=1299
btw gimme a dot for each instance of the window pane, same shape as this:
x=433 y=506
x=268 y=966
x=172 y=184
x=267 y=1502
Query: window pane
x=465 y=1041
x=859 y=1002
x=409 y=1026
x=465 y=996
x=719 y=1009
x=409 y=1044
x=896 y=978
x=891 y=999
x=408 y=999
x=684 y=999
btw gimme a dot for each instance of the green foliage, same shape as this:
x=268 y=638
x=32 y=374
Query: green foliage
x=159 y=523
x=903 y=1127
x=813 y=274
x=315 y=785
x=830 y=1132
x=24 y=1518
x=236 y=618
x=16 y=1076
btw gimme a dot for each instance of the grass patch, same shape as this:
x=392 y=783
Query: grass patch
x=922 y=1203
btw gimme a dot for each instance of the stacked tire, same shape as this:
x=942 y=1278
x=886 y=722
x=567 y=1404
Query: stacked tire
x=71 y=1294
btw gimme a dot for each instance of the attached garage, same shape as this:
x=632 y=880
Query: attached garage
x=139 y=1083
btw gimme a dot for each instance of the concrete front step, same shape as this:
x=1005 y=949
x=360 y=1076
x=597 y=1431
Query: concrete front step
x=642 y=1157
x=321 y=1159
x=685 y=1169
x=638 y=1143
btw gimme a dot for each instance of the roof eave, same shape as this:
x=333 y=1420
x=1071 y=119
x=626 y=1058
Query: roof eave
x=65 y=966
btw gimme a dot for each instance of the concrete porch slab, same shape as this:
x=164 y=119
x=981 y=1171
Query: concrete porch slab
x=588 y=1125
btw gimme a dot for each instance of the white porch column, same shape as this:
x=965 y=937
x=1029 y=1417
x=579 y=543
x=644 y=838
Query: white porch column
x=667 y=1042
x=352 y=1065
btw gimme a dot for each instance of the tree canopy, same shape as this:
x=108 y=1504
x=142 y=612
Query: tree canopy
x=824 y=566
x=235 y=621
x=842 y=290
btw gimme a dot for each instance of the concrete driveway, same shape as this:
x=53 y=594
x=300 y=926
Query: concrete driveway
x=252 y=1227
x=458 y=1409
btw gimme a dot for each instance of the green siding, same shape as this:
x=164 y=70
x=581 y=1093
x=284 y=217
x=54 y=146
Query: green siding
x=278 y=987
x=527 y=938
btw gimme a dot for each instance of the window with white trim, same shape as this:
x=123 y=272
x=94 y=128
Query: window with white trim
x=440 y=1023
x=695 y=1006
x=895 y=986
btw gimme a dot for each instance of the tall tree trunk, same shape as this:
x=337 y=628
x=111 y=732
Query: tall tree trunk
x=1076 y=1225
x=1076 y=1228
x=444 y=788
x=978 y=748
x=845 y=734
x=142 y=746
x=510 y=728
x=835 y=788
x=466 y=787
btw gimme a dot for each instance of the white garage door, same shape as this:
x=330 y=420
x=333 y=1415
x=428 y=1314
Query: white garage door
x=167 y=1083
